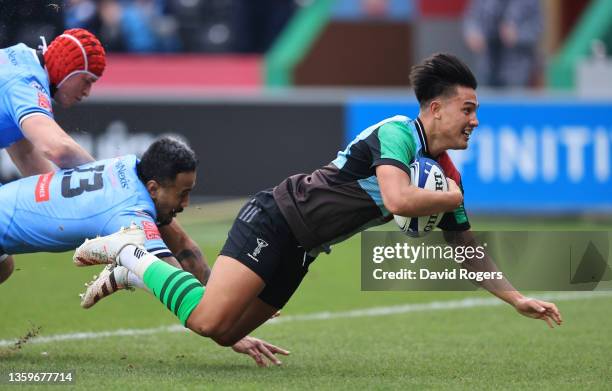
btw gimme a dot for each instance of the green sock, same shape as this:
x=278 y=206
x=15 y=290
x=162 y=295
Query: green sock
x=179 y=290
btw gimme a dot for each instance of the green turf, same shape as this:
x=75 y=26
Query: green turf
x=476 y=348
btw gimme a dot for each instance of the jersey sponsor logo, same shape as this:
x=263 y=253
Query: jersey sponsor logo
x=41 y=193
x=37 y=86
x=43 y=102
x=12 y=56
x=121 y=174
x=151 y=231
x=260 y=245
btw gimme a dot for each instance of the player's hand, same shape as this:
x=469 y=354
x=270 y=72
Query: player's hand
x=452 y=186
x=538 y=309
x=259 y=350
x=455 y=192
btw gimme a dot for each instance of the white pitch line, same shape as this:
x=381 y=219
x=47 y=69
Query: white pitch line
x=432 y=306
x=367 y=312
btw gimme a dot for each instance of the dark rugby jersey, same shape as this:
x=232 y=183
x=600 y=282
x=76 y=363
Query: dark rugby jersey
x=343 y=198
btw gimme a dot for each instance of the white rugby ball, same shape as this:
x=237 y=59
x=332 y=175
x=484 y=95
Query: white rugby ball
x=426 y=174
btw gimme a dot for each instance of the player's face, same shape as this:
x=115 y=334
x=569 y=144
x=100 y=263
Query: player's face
x=74 y=89
x=458 y=117
x=172 y=198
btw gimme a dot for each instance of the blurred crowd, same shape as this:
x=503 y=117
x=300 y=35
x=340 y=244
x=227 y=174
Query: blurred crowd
x=149 y=26
x=146 y=26
x=502 y=35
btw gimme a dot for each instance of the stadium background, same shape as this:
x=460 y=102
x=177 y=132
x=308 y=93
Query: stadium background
x=265 y=92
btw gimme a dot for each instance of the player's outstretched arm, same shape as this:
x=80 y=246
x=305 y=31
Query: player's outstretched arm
x=402 y=199
x=53 y=143
x=502 y=288
x=28 y=160
x=186 y=250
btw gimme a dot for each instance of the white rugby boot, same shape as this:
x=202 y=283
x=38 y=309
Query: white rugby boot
x=104 y=250
x=110 y=280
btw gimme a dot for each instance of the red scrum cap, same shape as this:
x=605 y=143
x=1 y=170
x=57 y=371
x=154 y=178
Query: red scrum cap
x=75 y=51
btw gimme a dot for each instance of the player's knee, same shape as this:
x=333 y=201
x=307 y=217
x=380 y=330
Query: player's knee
x=207 y=326
x=212 y=330
x=6 y=269
x=209 y=330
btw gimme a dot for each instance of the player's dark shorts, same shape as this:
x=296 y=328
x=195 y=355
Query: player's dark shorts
x=261 y=239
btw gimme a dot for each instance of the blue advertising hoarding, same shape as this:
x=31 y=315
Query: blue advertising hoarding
x=531 y=156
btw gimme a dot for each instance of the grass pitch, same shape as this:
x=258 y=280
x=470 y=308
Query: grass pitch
x=481 y=347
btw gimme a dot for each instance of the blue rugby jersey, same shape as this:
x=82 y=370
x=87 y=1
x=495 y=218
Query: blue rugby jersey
x=24 y=91
x=57 y=211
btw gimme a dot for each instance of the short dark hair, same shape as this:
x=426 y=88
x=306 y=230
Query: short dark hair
x=439 y=75
x=165 y=159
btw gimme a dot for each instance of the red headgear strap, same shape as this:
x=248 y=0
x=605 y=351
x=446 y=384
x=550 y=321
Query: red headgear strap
x=75 y=51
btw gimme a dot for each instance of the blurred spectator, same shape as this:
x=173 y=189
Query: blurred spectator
x=143 y=26
x=259 y=23
x=26 y=20
x=146 y=28
x=80 y=13
x=504 y=35
x=137 y=26
x=205 y=25
x=219 y=26
x=140 y=26
x=108 y=25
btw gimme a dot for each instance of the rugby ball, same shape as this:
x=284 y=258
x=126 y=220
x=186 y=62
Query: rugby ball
x=426 y=174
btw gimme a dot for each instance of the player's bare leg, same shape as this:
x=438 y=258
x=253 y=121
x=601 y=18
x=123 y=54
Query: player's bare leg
x=232 y=286
x=6 y=267
x=256 y=314
x=231 y=289
x=230 y=309
x=181 y=292
x=227 y=312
